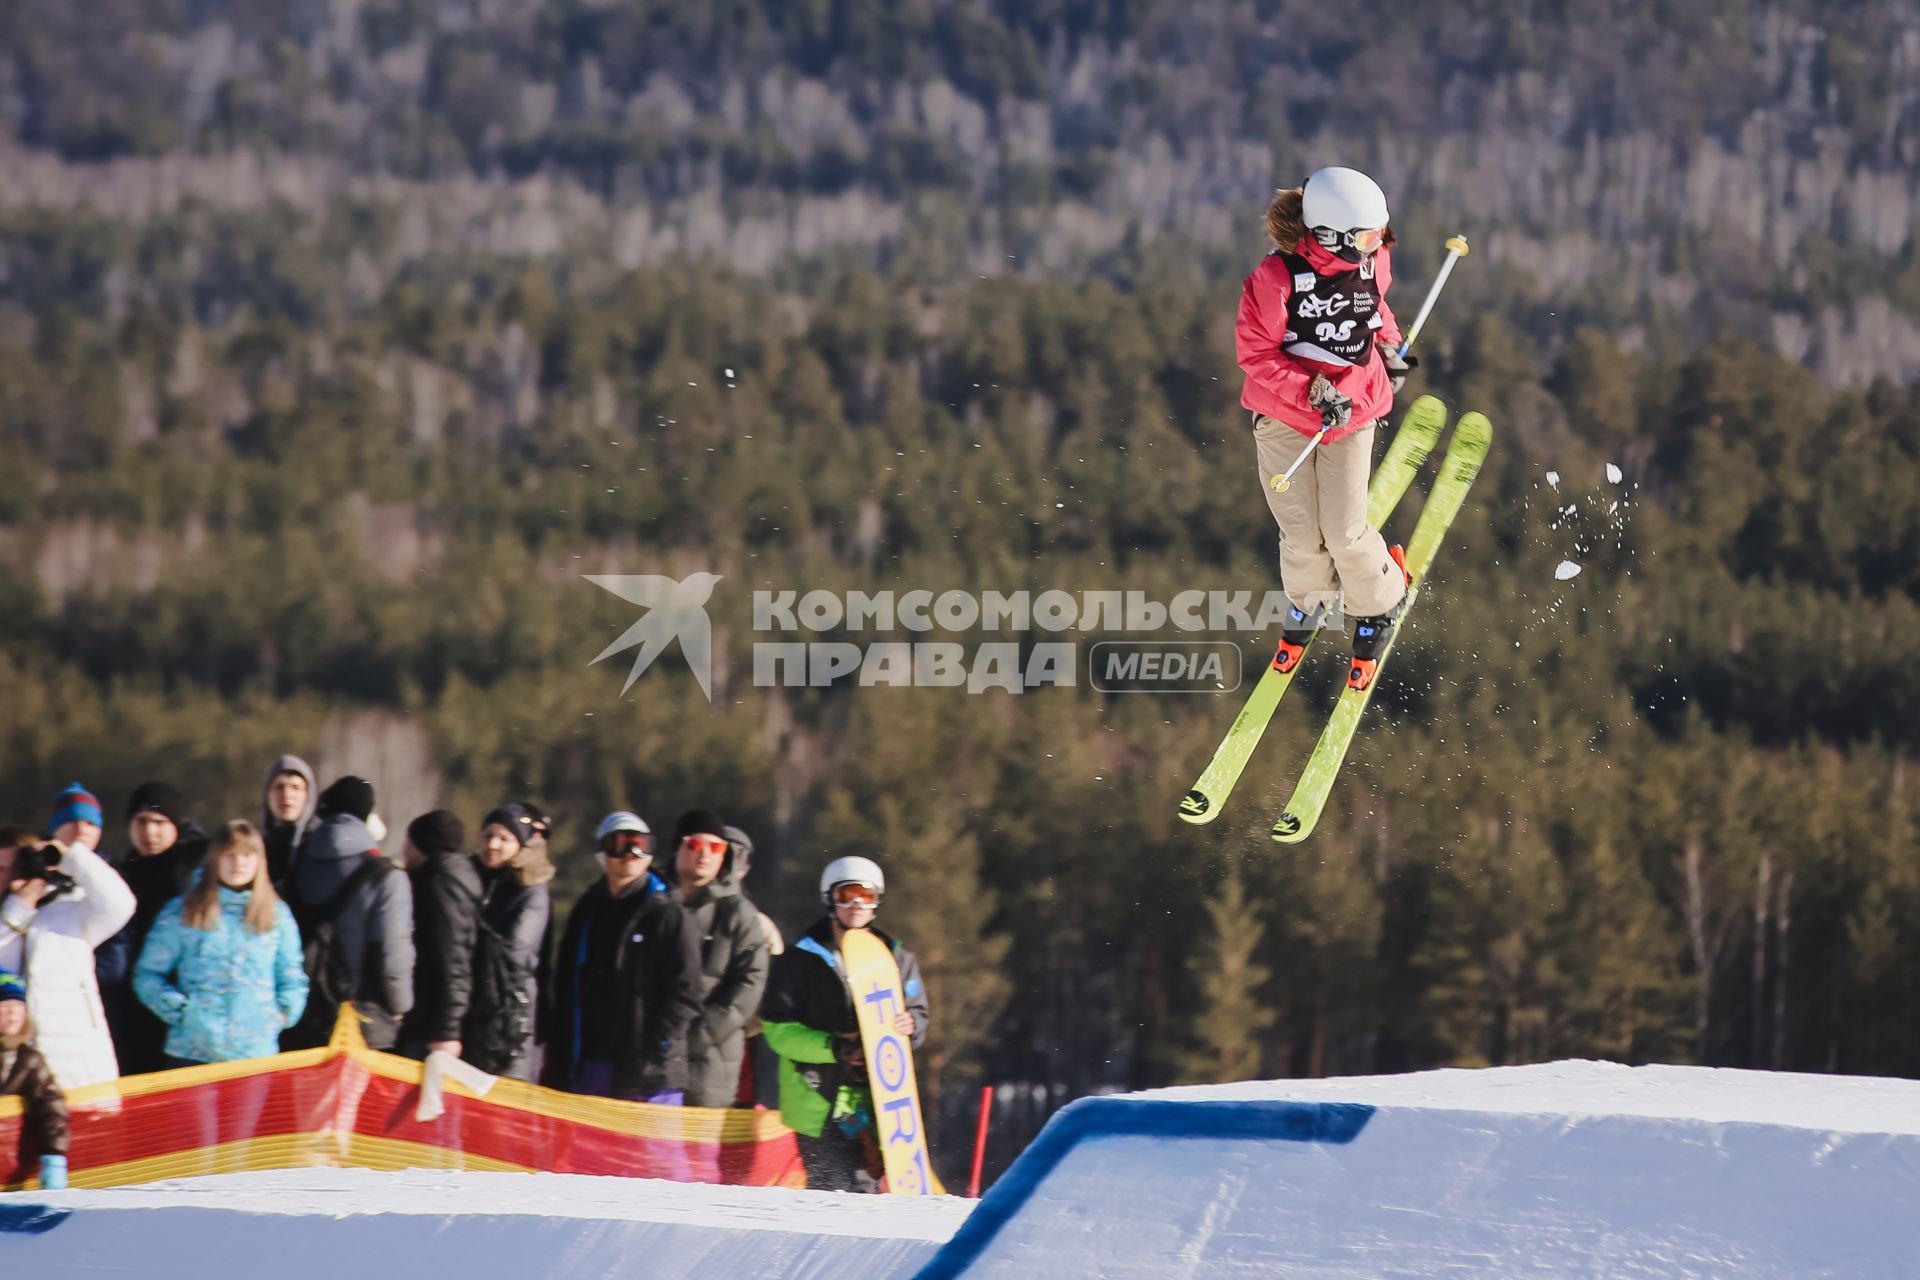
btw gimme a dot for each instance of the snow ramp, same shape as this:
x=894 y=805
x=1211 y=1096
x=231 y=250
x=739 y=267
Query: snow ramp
x=1571 y=1169
x=365 y=1224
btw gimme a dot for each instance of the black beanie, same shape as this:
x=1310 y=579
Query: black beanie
x=698 y=822
x=515 y=818
x=439 y=832
x=349 y=795
x=163 y=798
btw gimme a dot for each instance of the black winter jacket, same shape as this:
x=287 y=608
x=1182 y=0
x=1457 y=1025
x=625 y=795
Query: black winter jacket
x=497 y=1034
x=808 y=993
x=446 y=901
x=651 y=995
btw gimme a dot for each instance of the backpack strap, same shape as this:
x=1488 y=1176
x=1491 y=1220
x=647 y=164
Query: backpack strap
x=372 y=865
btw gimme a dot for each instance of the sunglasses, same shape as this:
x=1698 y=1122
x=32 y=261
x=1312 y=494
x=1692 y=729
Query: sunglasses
x=628 y=844
x=856 y=895
x=704 y=844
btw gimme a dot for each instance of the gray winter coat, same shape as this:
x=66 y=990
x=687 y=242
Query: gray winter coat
x=735 y=955
x=374 y=934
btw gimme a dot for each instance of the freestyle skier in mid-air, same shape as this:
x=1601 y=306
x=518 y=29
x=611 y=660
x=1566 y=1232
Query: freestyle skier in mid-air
x=1319 y=346
x=1324 y=356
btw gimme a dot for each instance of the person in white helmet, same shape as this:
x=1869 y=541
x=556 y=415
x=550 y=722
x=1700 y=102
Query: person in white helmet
x=808 y=1019
x=1319 y=347
x=626 y=979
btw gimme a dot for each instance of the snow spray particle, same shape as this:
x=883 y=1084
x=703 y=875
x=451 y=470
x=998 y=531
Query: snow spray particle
x=1566 y=569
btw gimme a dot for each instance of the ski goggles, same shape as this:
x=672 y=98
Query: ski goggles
x=627 y=844
x=1364 y=239
x=854 y=894
x=704 y=844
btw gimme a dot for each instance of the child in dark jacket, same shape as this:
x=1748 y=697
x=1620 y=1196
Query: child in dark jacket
x=24 y=1074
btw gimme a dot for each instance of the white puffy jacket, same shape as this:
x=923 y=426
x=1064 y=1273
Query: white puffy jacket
x=52 y=948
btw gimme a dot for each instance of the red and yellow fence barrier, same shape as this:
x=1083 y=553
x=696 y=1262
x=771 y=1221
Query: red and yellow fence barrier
x=349 y=1106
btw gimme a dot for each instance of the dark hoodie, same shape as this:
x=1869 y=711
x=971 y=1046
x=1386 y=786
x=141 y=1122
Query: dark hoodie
x=283 y=838
x=735 y=957
x=372 y=936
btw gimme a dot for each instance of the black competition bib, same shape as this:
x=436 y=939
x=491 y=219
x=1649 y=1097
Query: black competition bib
x=1331 y=319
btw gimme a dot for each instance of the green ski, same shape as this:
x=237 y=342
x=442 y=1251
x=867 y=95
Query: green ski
x=1465 y=453
x=1420 y=430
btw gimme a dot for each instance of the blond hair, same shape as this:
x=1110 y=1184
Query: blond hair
x=201 y=910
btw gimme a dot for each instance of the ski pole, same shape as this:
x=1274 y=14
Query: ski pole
x=1456 y=250
x=1284 y=481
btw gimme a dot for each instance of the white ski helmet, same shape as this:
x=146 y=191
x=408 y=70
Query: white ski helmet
x=851 y=870
x=1343 y=200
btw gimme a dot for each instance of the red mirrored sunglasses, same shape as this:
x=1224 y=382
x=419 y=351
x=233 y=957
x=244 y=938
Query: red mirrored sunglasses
x=704 y=844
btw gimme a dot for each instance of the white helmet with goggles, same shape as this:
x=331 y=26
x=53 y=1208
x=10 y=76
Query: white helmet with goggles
x=1345 y=210
x=863 y=871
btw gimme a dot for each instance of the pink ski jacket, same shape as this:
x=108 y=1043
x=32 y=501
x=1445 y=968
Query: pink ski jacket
x=1276 y=380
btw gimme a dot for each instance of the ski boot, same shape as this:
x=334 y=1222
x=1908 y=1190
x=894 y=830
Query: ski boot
x=1296 y=635
x=1371 y=636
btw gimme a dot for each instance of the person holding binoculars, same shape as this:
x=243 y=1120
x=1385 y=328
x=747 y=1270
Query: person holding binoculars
x=60 y=902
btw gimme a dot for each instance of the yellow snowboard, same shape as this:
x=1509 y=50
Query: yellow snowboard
x=874 y=980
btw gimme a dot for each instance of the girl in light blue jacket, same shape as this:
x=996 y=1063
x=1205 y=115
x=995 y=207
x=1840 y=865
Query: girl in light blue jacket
x=222 y=966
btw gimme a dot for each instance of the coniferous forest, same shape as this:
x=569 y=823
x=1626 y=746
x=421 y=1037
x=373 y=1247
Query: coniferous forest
x=339 y=338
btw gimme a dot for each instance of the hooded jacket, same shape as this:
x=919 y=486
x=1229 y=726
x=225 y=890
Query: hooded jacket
x=446 y=904
x=227 y=992
x=373 y=935
x=52 y=946
x=735 y=957
x=283 y=838
x=497 y=1033
x=24 y=1074
x=139 y=1038
x=1277 y=382
x=648 y=997
x=808 y=1005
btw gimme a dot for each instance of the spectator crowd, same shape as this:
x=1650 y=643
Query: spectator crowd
x=664 y=983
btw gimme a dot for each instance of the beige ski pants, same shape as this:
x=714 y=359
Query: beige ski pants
x=1328 y=551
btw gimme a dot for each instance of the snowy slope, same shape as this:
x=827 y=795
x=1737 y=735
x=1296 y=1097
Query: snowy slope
x=1573 y=1169
x=358 y=1224
x=1569 y=1169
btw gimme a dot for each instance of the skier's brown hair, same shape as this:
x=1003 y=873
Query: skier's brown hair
x=1287 y=224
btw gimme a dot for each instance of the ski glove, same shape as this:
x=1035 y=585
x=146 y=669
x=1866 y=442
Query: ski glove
x=847 y=1051
x=1398 y=366
x=1335 y=409
x=53 y=1173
